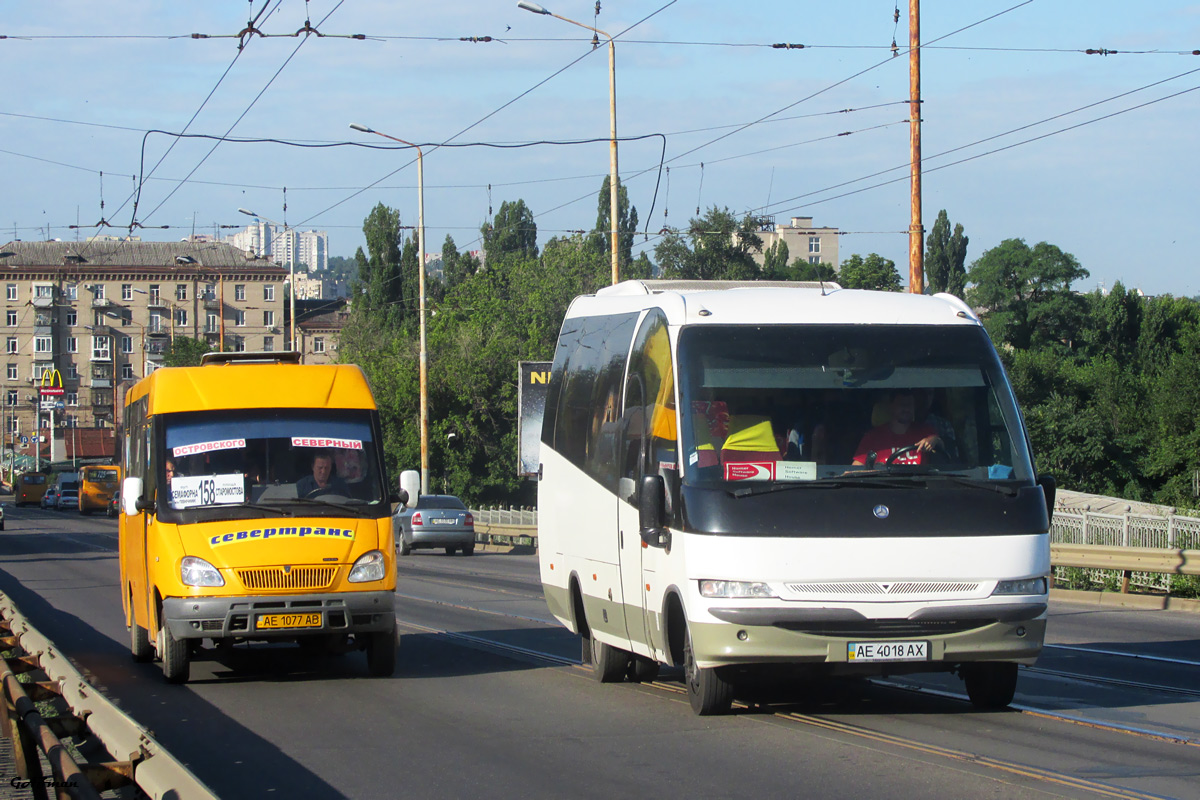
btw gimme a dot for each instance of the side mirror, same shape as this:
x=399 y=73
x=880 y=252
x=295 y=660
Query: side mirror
x=651 y=503
x=1049 y=489
x=400 y=497
x=410 y=486
x=131 y=493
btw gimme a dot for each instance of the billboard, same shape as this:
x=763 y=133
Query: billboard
x=533 y=378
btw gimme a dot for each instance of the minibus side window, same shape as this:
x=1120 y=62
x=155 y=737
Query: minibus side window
x=649 y=417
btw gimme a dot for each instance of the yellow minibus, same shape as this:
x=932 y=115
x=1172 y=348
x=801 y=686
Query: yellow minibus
x=235 y=524
x=31 y=487
x=97 y=485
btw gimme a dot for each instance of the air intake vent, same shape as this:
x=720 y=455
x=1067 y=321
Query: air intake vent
x=277 y=579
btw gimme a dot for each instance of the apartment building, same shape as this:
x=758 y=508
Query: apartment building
x=806 y=242
x=103 y=314
x=291 y=248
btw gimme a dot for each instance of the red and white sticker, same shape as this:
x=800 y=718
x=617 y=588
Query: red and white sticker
x=208 y=447
x=750 y=471
x=312 y=441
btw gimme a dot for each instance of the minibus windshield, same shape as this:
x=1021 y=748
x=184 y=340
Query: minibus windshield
x=271 y=460
x=840 y=404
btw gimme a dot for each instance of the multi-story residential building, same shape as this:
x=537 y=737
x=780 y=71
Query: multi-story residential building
x=816 y=245
x=104 y=313
x=291 y=248
x=319 y=324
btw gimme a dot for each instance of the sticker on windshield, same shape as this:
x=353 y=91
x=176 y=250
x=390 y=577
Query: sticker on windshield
x=208 y=447
x=311 y=441
x=207 y=490
x=771 y=471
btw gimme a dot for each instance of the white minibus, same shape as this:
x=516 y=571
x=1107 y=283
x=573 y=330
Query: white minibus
x=756 y=476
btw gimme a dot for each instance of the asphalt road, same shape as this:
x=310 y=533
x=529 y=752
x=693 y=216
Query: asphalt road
x=487 y=700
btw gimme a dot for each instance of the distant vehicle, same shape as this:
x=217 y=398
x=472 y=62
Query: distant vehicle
x=50 y=498
x=30 y=488
x=67 y=498
x=437 y=520
x=114 y=504
x=97 y=485
x=1 y=517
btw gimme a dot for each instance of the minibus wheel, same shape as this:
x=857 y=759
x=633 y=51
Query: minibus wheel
x=643 y=670
x=139 y=640
x=175 y=656
x=708 y=691
x=990 y=684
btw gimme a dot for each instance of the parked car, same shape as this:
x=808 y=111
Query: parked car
x=114 y=505
x=68 y=498
x=1 y=517
x=50 y=498
x=437 y=520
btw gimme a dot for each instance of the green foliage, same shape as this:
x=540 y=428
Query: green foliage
x=512 y=233
x=379 y=293
x=872 y=272
x=627 y=222
x=184 y=351
x=775 y=259
x=945 y=257
x=717 y=247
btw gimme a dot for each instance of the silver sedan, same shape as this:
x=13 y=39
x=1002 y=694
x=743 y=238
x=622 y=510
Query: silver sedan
x=437 y=520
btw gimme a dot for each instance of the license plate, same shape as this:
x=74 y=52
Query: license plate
x=887 y=651
x=437 y=521
x=277 y=621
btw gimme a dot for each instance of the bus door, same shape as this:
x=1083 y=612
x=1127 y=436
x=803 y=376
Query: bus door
x=649 y=449
x=134 y=528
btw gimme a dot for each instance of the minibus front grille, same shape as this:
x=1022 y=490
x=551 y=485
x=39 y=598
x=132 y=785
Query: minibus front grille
x=287 y=579
x=888 y=588
x=885 y=628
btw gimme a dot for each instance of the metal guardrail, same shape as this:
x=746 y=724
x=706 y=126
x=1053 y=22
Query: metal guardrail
x=137 y=757
x=1126 y=560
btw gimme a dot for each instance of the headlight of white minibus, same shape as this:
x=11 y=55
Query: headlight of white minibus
x=710 y=588
x=369 y=567
x=198 y=572
x=1025 y=586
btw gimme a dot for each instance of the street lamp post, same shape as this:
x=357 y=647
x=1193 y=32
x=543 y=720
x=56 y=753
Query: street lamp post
x=291 y=272
x=424 y=375
x=612 y=120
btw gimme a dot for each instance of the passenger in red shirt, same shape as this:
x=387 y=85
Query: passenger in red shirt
x=900 y=431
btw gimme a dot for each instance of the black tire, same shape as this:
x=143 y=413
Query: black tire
x=175 y=655
x=381 y=653
x=609 y=664
x=990 y=684
x=643 y=670
x=468 y=550
x=451 y=550
x=405 y=548
x=708 y=690
x=139 y=639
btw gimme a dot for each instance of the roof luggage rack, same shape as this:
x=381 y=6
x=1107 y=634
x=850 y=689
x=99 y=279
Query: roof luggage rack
x=252 y=357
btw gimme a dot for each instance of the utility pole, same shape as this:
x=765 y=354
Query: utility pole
x=916 y=232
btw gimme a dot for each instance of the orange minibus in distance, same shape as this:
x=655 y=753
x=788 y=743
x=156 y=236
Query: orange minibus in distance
x=97 y=485
x=31 y=487
x=235 y=525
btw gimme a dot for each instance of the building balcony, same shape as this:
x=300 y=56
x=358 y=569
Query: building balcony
x=102 y=383
x=102 y=399
x=161 y=332
x=101 y=356
x=102 y=330
x=156 y=302
x=43 y=302
x=212 y=304
x=156 y=348
x=43 y=330
x=99 y=302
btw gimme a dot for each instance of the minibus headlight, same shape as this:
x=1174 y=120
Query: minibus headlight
x=369 y=567
x=1025 y=586
x=198 y=572
x=735 y=589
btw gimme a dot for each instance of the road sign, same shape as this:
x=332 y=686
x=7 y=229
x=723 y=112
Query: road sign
x=24 y=440
x=60 y=405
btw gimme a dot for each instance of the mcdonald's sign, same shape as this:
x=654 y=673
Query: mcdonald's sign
x=51 y=383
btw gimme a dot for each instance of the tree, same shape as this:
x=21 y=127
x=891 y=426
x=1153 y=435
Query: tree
x=512 y=232
x=1025 y=294
x=378 y=295
x=775 y=261
x=184 y=351
x=718 y=247
x=872 y=272
x=627 y=222
x=945 y=256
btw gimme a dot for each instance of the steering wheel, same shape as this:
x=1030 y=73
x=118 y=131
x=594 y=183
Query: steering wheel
x=901 y=451
x=936 y=455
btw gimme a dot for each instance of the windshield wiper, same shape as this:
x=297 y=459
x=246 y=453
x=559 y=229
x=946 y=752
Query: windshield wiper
x=317 y=500
x=886 y=480
x=247 y=506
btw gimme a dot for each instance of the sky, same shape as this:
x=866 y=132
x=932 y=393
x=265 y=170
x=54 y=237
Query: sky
x=1024 y=135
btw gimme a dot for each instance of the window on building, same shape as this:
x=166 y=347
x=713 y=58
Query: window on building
x=10 y=292
x=318 y=344
x=43 y=344
x=210 y=323
x=269 y=318
x=11 y=317
x=126 y=291
x=72 y=319
x=126 y=344
x=156 y=325
x=72 y=398
x=239 y=345
x=98 y=291
x=239 y=317
x=814 y=244
x=181 y=291
x=11 y=346
x=10 y=397
x=239 y=291
x=13 y=427
x=268 y=343
x=268 y=293
x=101 y=348
x=43 y=291
x=181 y=316
x=72 y=344
x=12 y=372
x=155 y=296
x=814 y=259
x=100 y=318
x=126 y=371
x=72 y=291
x=40 y=369
x=71 y=372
